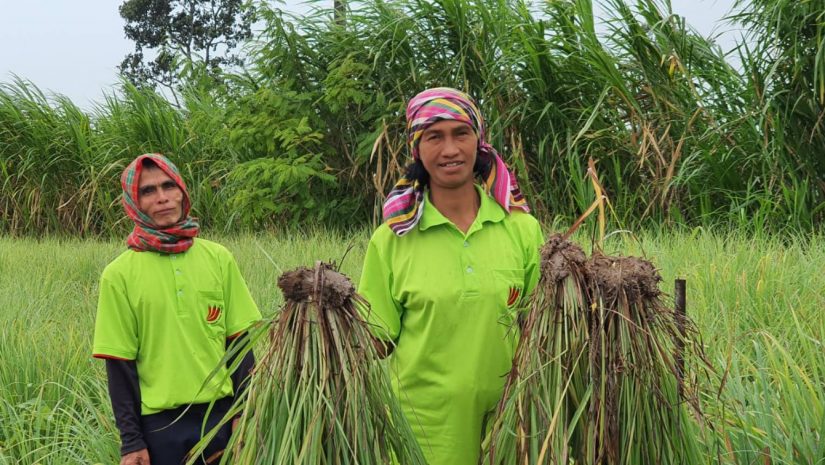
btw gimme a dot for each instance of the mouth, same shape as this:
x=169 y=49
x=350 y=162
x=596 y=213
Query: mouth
x=165 y=211
x=450 y=164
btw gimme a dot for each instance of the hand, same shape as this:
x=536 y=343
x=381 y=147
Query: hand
x=382 y=348
x=139 y=457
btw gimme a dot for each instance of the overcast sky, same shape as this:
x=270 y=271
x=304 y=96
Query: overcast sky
x=74 y=47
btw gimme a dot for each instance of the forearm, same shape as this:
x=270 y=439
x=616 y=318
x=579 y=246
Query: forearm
x=240 y=376
x=124 y=391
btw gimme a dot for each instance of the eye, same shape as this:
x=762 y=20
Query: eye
x=168 y=185
x=148 y=190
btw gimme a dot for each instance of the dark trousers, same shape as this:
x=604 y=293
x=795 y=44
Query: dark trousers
x=171 y=434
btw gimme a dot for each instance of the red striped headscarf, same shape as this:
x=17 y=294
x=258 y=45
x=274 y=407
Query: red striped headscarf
x=402 y=209
x=176 y=238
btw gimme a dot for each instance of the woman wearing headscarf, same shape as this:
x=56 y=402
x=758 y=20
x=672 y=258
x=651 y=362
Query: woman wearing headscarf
x=446 y=273
x=168 y=309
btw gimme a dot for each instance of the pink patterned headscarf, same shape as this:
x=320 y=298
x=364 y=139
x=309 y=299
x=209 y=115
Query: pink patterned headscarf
x=402 y=209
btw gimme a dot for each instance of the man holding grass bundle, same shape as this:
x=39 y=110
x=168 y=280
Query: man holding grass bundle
x=168 y=309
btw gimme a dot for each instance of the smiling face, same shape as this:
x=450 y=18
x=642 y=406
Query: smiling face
x=447 y=149
x=159 y=197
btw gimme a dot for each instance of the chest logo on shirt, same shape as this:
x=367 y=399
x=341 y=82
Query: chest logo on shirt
x=515 y=292
x=213 y=314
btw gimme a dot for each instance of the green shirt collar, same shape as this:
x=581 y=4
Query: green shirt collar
x=489 y=210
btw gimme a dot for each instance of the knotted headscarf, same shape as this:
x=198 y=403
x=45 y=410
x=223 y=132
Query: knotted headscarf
x=145 y=236
x=403 y=207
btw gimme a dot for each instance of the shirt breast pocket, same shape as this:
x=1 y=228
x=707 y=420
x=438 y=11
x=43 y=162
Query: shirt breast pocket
x=211 y=312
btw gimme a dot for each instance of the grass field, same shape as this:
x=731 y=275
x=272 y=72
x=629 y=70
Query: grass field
x=757 y=302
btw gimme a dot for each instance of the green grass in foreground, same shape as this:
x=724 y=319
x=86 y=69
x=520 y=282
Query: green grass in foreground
x=757 y=302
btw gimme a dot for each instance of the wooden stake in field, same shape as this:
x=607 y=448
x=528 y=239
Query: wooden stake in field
x=319 y=395
x=594 y=380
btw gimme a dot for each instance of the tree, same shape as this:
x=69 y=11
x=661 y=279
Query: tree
x=180 y=32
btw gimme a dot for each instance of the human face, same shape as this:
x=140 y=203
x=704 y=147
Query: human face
x=159 y=197
x=447 y=149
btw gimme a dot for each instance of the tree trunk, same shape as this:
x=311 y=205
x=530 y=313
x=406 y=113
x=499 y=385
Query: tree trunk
x=340 y=8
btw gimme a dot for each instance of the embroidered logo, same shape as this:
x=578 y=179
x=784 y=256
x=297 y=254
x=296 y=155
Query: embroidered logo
x=515 y=292
x=213 y=314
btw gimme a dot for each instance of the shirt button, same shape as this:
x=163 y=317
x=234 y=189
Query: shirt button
x=173 y=256
x=180 y=292
x=469 y=269
x=177 y=272
x=466 y=244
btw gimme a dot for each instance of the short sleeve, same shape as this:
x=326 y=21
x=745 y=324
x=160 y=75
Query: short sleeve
x=116 y=335
x=241 y=310
x=383 y=313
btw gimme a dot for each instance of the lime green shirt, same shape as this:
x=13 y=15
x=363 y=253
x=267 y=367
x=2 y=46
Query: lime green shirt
x=450 y=301
x=173 y=313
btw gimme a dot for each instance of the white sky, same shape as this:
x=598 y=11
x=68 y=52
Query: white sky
x=74 y=47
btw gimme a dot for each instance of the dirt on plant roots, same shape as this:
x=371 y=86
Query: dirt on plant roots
x=558 y=257
x=333 y=289
x=633 y=276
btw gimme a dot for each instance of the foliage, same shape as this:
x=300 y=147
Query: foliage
x=785 y=68
x=680 y=137
x=278 y=187
x=181 y=31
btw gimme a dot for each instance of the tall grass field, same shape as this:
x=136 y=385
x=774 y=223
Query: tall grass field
x=757 y=302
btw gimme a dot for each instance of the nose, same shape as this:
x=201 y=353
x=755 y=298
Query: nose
x=450 y=147
x=163 y=196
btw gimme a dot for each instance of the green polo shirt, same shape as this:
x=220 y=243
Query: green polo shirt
x=173 y=313
x=449 y=301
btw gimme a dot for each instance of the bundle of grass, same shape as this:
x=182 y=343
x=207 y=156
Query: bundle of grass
x=318 y=395
x=595 y=376
x=547 y=389
x=636 y=414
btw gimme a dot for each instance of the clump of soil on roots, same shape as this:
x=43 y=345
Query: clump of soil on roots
x=558 y=257
x=332 y=288
x=635 y=277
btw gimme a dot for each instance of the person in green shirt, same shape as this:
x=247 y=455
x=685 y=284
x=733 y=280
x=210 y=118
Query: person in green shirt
x=168 y=308
x=446 y=274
